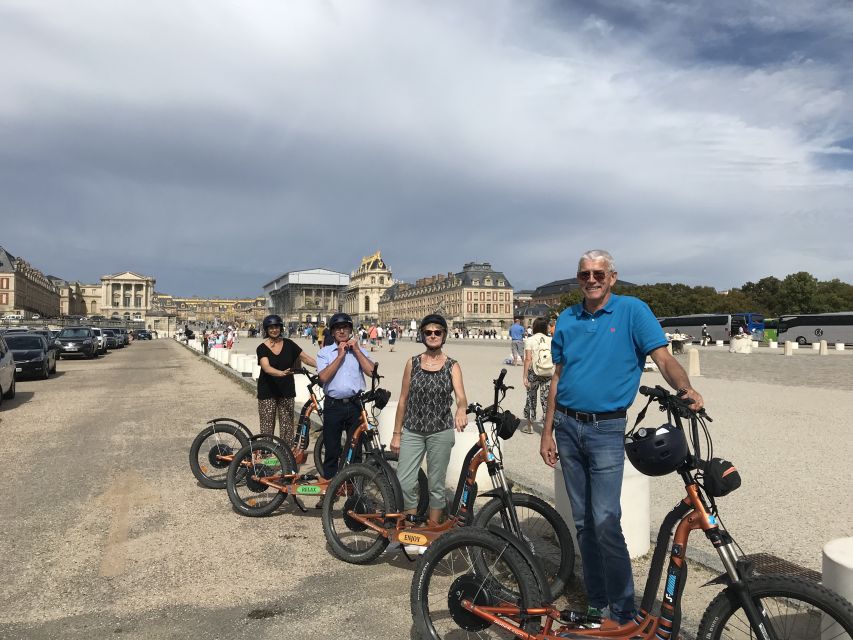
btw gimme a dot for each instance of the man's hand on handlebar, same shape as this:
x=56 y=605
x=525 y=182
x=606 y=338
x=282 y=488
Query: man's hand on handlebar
x=696 y=397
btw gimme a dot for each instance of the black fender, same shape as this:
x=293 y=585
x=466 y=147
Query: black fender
x=529 y=558
x=231 y=421
x=499 y=492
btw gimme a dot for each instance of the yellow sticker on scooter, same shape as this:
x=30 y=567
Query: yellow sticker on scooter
x=309 y=489
x=413 y=538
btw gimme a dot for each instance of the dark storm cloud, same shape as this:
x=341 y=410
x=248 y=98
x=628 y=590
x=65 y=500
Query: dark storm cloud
x=216 y=149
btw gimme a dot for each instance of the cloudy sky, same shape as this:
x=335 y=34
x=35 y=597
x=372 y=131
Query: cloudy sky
x=216 y=144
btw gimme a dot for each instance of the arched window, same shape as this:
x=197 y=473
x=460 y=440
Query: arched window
x=381 y=279
x=366 y=304
x=372 y=279
x=94 y=306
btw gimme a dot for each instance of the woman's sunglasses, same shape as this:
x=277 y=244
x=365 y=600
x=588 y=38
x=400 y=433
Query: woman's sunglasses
x=433 y=332
x=584 y=276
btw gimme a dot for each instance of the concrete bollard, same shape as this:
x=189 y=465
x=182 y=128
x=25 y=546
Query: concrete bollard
x=636 y=518
x=815 y=346
x=789 y=348
x=719 y=343
x=693 y=363
x=795 y=345
x=838 y=574
x=824 y=348
x=773 y=344
x=839 y=346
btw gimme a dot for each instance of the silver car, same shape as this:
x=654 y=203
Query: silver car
x=102 y=339
x=7 y=372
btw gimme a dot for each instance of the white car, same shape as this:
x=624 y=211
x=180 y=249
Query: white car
x=102 y=339
x=7 y=372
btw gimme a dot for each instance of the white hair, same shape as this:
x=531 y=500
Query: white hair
x=598 y=254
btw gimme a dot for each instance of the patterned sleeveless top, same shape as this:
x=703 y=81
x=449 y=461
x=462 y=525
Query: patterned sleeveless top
x=428 y=409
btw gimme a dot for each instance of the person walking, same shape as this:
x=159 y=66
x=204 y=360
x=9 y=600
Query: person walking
x=599 y=349
x=278 y=357
x=516 y=334
x=392 y=337
x=341 y=367
x=537 y=372
x=425 y=421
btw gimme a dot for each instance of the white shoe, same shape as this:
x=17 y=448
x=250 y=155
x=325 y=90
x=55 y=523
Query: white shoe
x=414 y=549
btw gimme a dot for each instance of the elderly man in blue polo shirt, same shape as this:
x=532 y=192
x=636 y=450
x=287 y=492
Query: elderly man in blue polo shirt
x=341 y=367
x=599 y=349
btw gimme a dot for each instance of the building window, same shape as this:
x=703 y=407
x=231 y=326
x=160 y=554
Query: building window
x=372 y=279
x=488 y=282
x=476 y=308
x=4 y=283
x=469 y=307
x=381 y=279
x=94 y=306
x=4 y=298
x=367 y=304
x=488 y=308
x=482 y=296
x=501 y=283
x=469 y=297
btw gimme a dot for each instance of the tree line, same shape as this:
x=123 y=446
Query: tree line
x=797 y=293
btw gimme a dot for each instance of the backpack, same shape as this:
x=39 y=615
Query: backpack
x=543 y=365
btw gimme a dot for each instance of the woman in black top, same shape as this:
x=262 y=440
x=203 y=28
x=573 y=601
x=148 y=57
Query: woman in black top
x=277 y=357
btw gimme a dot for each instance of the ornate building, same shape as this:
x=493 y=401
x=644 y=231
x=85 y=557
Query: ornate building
x=367 y=285
x=126 y=296
x=238 y=312
x=309 y=296
x=70 y=297
x=478 y=297
x=25 y=289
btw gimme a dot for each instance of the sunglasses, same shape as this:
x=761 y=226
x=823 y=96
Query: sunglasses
x=585 y=276
x=433 y=332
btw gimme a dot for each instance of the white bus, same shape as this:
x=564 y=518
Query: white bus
x=719 y=325
x=813 y=327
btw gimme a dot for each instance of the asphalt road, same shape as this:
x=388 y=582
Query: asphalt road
x=106 y=534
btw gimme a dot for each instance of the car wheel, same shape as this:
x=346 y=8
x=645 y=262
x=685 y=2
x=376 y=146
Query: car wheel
x=45 y=368
x=53 y=370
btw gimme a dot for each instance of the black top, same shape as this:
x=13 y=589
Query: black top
x=270 y=387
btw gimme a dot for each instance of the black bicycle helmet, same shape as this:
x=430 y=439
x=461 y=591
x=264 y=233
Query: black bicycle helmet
x=656 y=452
x=434 y=318
x=340 y=318
x=272 y=321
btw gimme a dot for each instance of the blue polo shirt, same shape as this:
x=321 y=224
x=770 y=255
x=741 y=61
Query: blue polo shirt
x=348 y=379
x=603 y=354
x=516 y=332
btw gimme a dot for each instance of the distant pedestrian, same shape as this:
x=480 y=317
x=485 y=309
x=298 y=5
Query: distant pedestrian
x=516 y=334
x=392 y=337
x=538 y=369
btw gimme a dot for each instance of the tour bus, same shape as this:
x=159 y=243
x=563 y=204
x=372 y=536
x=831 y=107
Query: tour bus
x=814 y=327
x=720 y=325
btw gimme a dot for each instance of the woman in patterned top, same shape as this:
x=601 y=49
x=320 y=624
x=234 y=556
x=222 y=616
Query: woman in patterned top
x=425 y=421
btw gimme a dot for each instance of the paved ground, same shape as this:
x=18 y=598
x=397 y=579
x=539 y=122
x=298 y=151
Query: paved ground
x=105 y=533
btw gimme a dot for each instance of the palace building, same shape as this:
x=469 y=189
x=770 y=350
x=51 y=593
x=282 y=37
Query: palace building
x=24 y=289
x=367 y=285
x=478 y=297
x=238 y=312
x=306 y=297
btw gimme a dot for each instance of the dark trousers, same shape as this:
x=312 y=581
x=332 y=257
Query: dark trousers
x=338 y=418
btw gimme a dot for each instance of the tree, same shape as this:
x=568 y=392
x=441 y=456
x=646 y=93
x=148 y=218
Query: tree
x=797 y=293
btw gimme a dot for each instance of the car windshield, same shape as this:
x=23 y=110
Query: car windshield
x=109 y=332
x=24 y=342
x=74 y=333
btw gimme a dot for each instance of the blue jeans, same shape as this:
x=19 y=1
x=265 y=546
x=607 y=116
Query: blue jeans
x=592 y=456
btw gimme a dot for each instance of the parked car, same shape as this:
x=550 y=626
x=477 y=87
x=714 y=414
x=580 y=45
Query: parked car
x=50 y=338
x=125 y=336
x=7 y=371
x=77 y=341
x=143 y=334
x=112 y=339
x=102 y=340
x=32 y=357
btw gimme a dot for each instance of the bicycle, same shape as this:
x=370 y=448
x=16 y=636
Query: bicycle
x=472 y=581
x=214 y=447
x=362 y=514
x=263 y=473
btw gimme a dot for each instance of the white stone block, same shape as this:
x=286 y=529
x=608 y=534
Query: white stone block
x=719 y=343
x=789 y=347
x=839 y=346
x=636 y=512
x=838 y=574
x=815 y=346
x=795 y=345
x=824 y=349
x=773 y=344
